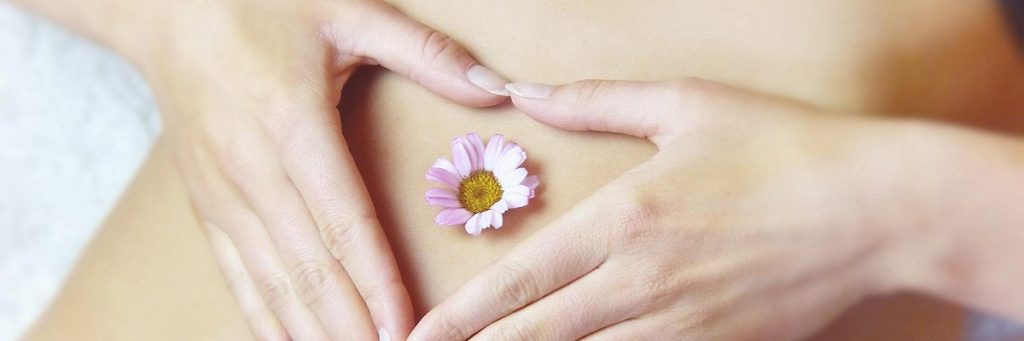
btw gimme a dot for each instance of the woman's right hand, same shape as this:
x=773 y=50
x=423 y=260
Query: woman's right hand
x=248 y=91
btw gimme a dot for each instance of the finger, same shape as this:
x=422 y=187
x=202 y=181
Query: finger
x=543 y=263
x=317 y=277
x=222 y=206
x=647 y=328
x=625 y=107
x=268 y=274
x=430 y=58
x=604 y=299
x=261 y=320
x=320 y=165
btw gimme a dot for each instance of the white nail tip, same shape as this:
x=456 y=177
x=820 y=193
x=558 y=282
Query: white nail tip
x=501 y=92
x=486 y=79
x=383 y=335
x=530 y=90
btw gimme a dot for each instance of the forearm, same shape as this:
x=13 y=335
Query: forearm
x=118 y=24
x=975 y=203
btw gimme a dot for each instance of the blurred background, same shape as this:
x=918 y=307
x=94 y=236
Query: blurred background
x=76 y=121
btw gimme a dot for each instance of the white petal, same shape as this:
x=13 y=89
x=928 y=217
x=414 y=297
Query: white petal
x=517 y=189
x=512 y=178
x=496 y=220
x=516 y=200
x=500 y=207
x=472 y=227
x=493 y=150
x=507 y=148
x=485 y=219
x=446 y=165
x=508 y=162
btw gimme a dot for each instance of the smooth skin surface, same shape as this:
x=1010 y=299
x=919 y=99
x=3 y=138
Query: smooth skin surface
x=850 y=57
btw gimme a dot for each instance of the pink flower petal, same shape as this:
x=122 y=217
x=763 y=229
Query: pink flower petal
x=532 y=182
x=443 y=176
x=512 y=178
x=492 y=151
x=463 y=163
x=452 y=217
x=446 y=165
x=442 y=197
x=476 y=146
x=496 y=219
x=441 y=193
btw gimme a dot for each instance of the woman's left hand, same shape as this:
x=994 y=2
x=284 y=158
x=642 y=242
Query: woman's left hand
x=758 y=218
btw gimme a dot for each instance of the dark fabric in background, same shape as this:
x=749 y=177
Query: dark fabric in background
x=1014 y=10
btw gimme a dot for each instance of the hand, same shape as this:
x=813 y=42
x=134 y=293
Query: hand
x=757 y=219
x=248 y=92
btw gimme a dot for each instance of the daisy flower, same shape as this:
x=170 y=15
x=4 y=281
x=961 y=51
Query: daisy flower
x=481 y=184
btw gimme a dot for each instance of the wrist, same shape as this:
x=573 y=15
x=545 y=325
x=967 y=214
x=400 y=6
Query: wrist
x=117 y=24
x=891 y=174
x=973 y=210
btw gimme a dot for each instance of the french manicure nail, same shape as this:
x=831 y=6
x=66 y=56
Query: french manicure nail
x=530 y=90
x=383 y=335
x=486 y=79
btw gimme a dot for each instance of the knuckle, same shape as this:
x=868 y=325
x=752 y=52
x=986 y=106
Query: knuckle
x=585 y=95
x=234 y=160
x=339 y=232
x=451 y=327
x=513 y=287
x=382 y=288
x=312 y=282
x=636 y=216
x=516 y=330
x=692 y=92
x=657 y=288
x=586 y=91
x=275 y=290
x=434 y=46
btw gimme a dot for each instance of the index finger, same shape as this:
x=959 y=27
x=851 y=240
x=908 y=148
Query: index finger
x=557 y=255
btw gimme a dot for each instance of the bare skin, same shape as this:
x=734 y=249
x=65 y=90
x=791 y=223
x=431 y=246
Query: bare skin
x=857 y=58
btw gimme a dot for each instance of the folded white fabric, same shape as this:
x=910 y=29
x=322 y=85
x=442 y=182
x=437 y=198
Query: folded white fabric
x=75 y=123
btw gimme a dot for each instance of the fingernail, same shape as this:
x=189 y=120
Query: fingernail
x=383 y=335
x=530 y=90
x=486 y=79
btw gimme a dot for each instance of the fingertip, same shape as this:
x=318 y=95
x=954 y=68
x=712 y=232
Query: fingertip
x=544 y=111
x=487 y=80
x=398 y=323
x=476 y=86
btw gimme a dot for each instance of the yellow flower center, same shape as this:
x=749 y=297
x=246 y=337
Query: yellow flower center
x=479 y=191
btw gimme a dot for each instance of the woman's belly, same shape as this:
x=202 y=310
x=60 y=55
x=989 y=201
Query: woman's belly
x=907 y=57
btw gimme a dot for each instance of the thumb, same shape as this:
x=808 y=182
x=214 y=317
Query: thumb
x=642 y=109
x=430 y=58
